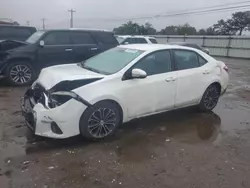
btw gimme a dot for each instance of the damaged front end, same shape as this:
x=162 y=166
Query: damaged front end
x=52 y=113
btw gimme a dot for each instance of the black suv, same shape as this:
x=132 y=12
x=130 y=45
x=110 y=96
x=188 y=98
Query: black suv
x=53 y=47
x=20 y=33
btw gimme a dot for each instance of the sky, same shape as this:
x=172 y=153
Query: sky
x=103 y=14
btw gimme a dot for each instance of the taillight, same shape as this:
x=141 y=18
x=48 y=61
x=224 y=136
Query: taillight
x=225 y=68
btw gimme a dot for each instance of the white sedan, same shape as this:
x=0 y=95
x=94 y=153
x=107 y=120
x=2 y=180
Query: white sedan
x=94 y=97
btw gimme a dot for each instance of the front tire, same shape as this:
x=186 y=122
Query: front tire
x=100 y=120
x=210 y=98
x=19 y=73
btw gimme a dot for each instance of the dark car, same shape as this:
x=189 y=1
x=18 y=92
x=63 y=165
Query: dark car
x=191 y=45
x=20 y=33
x=47 y=48
x=6 y=45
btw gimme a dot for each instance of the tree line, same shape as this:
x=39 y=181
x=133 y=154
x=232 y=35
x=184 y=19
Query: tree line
x=236 y=25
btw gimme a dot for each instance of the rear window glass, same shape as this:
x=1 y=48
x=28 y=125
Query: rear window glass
x=82 y=38
x=105 y=38
x=153 y=41
x=141 y=41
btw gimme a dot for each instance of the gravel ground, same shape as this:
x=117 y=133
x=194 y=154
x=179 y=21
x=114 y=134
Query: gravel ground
x=175 y=149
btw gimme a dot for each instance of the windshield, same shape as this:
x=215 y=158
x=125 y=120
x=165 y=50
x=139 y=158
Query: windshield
x=35 y=37
x=111 y=61
x=120 y=39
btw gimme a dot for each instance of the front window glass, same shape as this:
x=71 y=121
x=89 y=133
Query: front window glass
x=155 y=63
x=57 y=38
x=35 y=37
x=111 y=61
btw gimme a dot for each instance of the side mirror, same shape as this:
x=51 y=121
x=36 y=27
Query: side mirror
x=138 y=73
x=207 y=50
x=41 y=43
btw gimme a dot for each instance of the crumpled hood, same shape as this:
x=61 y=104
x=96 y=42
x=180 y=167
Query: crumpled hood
x=51 y=76
x=6 y=45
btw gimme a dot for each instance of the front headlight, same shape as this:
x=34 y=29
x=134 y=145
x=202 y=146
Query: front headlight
x=60 y=97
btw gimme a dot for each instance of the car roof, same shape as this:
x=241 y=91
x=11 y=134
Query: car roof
x=80 y=29
x=153 y=47
x=135 y=36
x=181 y=43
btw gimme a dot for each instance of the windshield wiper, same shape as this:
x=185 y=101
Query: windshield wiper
x=89 y=68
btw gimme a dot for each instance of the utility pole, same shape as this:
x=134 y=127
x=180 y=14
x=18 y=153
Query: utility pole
x=71 y=17
x=43 y=20
x=28 y=22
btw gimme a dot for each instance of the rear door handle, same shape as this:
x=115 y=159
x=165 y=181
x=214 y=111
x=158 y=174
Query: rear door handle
x=206 y=72
x=68 y=50
x=93 y=49
x=170 y=79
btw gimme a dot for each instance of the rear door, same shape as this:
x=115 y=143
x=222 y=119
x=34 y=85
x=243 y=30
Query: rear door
x=57 y=49
x=192 y=77
x=84 y=45
x=105 y=40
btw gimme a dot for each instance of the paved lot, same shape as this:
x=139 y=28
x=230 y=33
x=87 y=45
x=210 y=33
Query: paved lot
x=176 y=149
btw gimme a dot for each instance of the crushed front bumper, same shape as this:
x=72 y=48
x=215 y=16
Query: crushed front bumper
x=45 y=121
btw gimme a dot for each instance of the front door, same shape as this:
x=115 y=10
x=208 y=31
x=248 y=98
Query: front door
x=154 y=93
x=57 y=49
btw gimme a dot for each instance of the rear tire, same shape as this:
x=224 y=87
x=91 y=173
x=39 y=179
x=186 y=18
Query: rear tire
x=19 y=73
x=210 y=98
x=100 y=120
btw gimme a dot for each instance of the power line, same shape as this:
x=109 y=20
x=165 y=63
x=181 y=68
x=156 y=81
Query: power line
x=212 y=9
x=183 y=13
x=201 y=10
x=209 y=7
x=71 y=17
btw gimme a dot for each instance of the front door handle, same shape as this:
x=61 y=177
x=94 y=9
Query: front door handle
x=93 y=49
x=68 y=50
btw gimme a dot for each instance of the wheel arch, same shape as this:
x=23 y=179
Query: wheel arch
x=16 y=59
x=215 y=82
x=118 y=105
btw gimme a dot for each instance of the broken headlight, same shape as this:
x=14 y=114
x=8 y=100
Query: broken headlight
x=60 y=97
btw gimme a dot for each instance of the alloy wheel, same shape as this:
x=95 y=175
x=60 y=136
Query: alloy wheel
x=20 y=74
x=211 y=98
x=102 y=122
